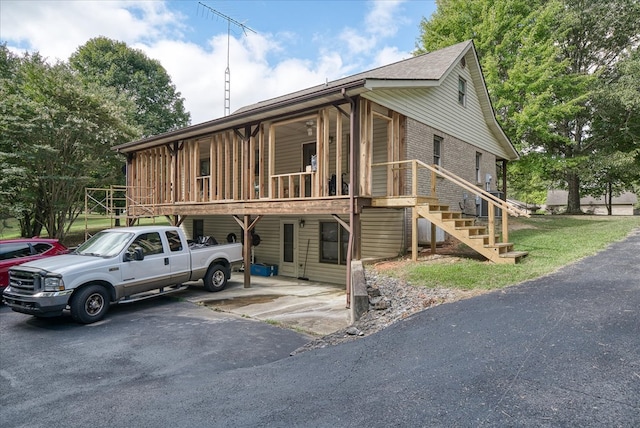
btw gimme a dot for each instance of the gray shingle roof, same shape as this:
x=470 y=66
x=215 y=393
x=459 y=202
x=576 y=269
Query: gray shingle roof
x=429 y=66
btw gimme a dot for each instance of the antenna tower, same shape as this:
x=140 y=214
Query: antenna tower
x=227 y=71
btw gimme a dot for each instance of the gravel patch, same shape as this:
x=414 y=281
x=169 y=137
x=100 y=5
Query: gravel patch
x=390 y=300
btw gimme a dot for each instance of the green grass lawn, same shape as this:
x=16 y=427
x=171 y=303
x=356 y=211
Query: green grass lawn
x=10 y=228
x=552 y=242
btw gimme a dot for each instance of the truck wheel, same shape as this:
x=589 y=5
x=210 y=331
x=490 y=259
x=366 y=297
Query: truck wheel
x=90 y=304
x=215 y=279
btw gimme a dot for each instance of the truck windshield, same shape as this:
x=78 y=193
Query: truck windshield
x=105 y=244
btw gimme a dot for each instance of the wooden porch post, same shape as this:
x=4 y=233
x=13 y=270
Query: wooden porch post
x=433 y=238
x=354 y=245
x=247 y=226
x=247 y=252
x=414 y=233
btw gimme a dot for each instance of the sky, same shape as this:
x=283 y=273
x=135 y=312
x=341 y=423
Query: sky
x=288 y=45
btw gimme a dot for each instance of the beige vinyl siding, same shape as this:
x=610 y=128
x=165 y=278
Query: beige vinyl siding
x=220 y=226
x=289 y=149
x=268 y=251
x=288 y=152
x=382 y=237
x=344 y=158
x=317 y=271
x=438 y=107
x=380 y=151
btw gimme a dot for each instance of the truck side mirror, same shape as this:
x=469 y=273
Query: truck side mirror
x=136 y=254
x=139 y=254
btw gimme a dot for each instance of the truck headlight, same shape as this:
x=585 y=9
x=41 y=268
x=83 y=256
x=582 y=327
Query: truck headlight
x=52 y=283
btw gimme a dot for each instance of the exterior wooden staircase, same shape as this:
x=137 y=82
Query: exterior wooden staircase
x=475 y=236
x=484 y=239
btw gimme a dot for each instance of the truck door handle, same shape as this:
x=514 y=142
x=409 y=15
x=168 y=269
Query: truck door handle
x=166 y=261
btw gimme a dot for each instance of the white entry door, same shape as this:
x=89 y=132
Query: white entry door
x=288 y=248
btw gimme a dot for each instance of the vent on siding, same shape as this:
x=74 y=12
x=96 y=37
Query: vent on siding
x=463 y=62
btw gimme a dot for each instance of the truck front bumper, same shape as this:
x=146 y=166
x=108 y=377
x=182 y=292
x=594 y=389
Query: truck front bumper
x=43 y=304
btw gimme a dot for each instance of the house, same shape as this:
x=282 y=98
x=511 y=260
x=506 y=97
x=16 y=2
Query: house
x=620 y=205
x=338 y=172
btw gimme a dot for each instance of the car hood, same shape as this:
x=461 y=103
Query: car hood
x=66 y=263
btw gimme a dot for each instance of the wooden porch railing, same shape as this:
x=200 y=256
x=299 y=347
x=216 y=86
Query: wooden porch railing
x=493 y=201
x=287 y=186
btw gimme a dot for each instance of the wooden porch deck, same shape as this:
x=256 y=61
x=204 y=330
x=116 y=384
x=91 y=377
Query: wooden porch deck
x=339 y=205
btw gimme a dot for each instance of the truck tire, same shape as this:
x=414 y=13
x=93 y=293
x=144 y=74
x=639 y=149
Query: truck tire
x=89 y=304
x=215 y=279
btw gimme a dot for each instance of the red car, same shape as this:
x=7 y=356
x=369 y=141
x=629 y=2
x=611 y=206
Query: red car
x=17 y=251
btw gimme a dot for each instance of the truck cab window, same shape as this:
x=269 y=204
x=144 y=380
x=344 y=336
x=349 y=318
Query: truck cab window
x=174 y=241
x=149 y=242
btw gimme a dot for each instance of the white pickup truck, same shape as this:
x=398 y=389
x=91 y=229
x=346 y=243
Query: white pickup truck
x=118 y=265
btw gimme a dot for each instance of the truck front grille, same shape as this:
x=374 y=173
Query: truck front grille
x=24 y=281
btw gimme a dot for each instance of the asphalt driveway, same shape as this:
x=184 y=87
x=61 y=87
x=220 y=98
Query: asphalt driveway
x=563 y=350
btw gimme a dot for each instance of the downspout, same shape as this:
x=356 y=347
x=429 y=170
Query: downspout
x=352 y=189
x=504 y=179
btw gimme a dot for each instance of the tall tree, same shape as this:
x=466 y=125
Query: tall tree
x=543 y=62
x=159 y=107
x=615 y=131
x=56 y=138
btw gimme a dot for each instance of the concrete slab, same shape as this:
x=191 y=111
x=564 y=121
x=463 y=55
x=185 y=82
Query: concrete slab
x=310 y=307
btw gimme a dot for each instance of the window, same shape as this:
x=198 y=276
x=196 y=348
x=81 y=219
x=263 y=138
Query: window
x=288 y=243
x=334 y=240
x=308 y=151
x=175 y=244
x=198 y=229
x=11 y=251
x=40 y=247
x=205 y=167
x=478 y=163
x=462 y=91
x=149 y=242
x=437 y=150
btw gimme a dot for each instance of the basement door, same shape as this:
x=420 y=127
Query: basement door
x=288 y=248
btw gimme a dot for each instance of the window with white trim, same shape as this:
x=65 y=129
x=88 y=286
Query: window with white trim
x=478 y=163
x=462 y=91
x=437 y=150
x=334 y=240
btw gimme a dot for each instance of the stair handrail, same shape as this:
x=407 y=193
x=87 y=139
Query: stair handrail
x=492 y=200
x=489 y=197
x=461 y=182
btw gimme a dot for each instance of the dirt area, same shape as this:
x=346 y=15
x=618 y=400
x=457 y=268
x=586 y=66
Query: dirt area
x=392 y=299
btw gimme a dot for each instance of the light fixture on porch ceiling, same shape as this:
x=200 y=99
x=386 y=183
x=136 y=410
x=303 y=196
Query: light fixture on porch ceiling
x=309 y=127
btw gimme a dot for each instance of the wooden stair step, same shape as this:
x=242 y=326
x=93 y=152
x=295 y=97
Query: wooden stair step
x=448 y=215
x=459 y=223
x=465 y=229
x=485 y=236
x=516 y=255
x=472 y=229
x=500 y=245
x=438 y=207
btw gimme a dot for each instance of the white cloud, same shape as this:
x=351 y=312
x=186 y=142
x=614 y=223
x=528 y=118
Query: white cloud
x=383 y=20
x=260 y=65
x=57 y=28
x=356 y=42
